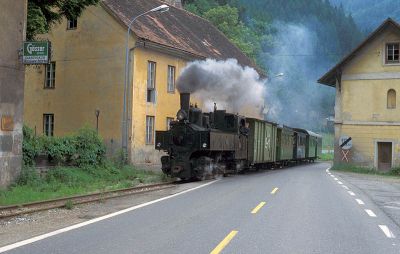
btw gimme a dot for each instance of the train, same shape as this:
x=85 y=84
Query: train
x=201 y=145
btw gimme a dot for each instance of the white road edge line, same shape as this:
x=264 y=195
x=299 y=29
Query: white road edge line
x=344 y=186
x=351 y=193
x=392 y=207
x=339 y=182
x=336 y=179
x=332 y=175
x=387 y=231
x=360 y=202
x=79 y=225
x=370 y=213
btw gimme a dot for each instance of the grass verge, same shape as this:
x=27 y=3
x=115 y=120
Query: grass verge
x=326 y=157
x=395 y=172
x=68 y=181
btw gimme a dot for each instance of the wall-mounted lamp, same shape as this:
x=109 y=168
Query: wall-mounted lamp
x=97 y=112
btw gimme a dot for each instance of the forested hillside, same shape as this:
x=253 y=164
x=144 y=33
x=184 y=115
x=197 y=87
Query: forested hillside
x=369 y=14
x=295 y=41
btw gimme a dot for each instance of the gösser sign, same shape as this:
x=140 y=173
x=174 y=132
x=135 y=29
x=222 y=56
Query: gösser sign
x=36 y=52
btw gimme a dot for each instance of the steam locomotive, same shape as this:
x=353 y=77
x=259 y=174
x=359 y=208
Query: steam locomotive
x=201 y=145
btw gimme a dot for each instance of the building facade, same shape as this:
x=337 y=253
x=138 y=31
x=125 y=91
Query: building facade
x=12 y=35
x=367 y=109
x=84 y=84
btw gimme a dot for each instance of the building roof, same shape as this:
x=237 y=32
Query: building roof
x=330 y=77
x=177 y=29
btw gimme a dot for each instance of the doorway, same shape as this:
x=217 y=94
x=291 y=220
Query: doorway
x=384 y=156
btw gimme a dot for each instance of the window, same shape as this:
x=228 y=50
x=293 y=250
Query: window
x=169 y=120
x=392 y=53
x=391 y=99
x=50 y=79
x=149 y=130
x=48 y=124
x=171 y=79
x=72 y=24
x=151 y=82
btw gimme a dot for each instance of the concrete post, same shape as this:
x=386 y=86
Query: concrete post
x=12 y=76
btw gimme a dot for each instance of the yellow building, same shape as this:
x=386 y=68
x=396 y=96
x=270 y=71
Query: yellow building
x=367 y=83
x=86 y=74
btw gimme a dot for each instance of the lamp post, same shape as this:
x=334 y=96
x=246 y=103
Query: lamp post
x=124 y=141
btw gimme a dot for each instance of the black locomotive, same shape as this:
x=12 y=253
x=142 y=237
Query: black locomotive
x=206 y=144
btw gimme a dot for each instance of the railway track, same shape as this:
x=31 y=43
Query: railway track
x=15 y=210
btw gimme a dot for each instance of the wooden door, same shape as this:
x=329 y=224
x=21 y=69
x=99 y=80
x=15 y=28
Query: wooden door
x=384 y=155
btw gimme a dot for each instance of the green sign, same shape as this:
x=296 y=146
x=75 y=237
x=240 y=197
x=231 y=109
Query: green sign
x=36 y=52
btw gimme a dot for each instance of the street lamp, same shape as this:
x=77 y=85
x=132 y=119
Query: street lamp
x=161 y=9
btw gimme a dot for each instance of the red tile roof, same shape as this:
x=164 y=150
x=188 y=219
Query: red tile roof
x=177 y=29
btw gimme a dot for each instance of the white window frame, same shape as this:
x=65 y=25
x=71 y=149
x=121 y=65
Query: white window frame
x=168 y=121
x=150 y=123
x=48 y=124
x=386 y=50
x=50 y=76
x=151 y=82
x=72 y=24
x=171 y=79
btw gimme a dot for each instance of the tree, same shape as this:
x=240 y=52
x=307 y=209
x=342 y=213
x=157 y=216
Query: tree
x=43 y=14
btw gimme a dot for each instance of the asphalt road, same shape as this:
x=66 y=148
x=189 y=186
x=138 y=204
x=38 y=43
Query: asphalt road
x=306 y=210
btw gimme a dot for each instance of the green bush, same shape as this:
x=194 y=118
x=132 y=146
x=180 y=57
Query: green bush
x=30 y=146
x=81 y=149
x=89 y=147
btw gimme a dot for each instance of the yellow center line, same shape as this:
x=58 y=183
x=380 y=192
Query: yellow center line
x=274 y=190
x=224 y=242
x=255 y=210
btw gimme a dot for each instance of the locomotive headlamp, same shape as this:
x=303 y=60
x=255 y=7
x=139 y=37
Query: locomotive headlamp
x=181 y=115
x=204 y=145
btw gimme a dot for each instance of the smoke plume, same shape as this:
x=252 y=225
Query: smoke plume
x=233 y=87
x=294 y=98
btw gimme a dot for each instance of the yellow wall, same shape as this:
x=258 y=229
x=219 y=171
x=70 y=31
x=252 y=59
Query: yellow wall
x=90 y=75
x=361 y=102
x=365 y=140
x=166 y=104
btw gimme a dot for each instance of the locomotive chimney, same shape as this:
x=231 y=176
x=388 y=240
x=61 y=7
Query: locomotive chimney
x=185 y=102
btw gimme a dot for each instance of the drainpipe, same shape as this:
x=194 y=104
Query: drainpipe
x=130 y=98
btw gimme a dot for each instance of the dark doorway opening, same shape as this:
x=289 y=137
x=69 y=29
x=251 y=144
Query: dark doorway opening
x=384 y=156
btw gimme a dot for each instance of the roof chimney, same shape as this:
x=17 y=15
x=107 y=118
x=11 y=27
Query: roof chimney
x=175 y=3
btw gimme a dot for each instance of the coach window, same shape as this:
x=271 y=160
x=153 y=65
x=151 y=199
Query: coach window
x=391 y=99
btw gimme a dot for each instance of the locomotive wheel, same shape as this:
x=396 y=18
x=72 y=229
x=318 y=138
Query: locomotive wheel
x=204 y=168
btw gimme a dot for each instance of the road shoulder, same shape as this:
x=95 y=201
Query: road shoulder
x=26 y=226
x=384 y=191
